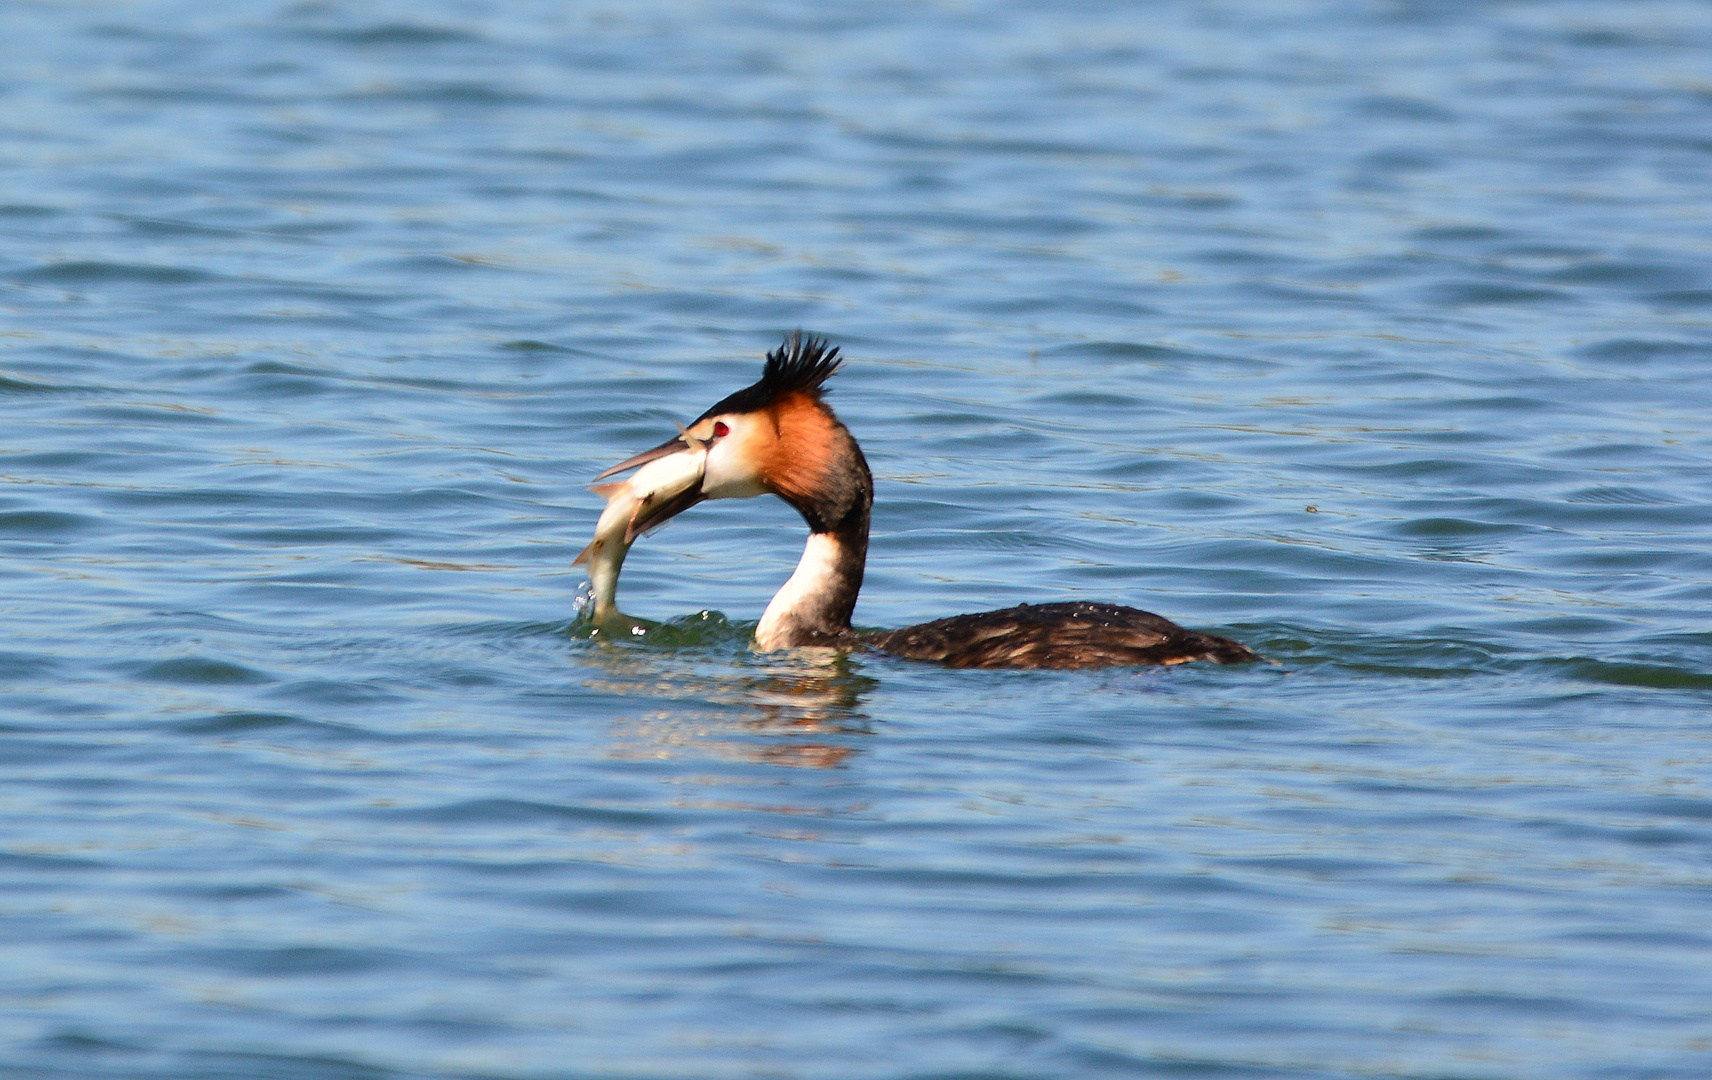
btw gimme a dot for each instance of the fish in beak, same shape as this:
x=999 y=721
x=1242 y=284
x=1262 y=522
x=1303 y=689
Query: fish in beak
x=667 y=484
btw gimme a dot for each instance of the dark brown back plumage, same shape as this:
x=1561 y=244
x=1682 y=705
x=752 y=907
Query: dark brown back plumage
x=1078 y=634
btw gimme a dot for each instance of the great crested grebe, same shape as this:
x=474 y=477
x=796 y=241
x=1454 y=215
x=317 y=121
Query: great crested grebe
x=780 y=437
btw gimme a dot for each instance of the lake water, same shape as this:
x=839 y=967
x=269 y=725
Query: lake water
x=1375 y=335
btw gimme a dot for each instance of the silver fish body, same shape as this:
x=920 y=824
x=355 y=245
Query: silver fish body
x=653 y=493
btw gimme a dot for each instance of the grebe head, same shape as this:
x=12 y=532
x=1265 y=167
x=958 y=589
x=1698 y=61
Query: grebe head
x=776 y=436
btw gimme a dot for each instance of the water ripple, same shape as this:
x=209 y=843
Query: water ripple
x=1368 y=335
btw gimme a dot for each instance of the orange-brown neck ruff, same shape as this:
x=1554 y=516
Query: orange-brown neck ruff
x=798 y=463
x=815 y=465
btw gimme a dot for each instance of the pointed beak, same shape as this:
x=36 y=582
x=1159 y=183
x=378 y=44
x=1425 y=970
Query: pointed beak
x=670 y=446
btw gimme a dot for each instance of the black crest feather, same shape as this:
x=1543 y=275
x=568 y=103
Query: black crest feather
x=799 y=365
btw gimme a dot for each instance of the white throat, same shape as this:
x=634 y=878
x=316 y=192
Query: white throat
x=801 y=603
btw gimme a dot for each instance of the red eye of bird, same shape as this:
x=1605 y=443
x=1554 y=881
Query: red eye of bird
x=720 y=431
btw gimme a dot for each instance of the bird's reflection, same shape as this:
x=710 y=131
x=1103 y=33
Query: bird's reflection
x=802 y=710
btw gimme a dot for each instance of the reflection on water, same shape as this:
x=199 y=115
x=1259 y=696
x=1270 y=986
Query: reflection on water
x=801 y=709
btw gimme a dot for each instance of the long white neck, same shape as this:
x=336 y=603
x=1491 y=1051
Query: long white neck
x=814 y=606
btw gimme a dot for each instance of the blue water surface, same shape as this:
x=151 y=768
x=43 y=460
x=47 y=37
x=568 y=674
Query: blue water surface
x=1372 y=333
